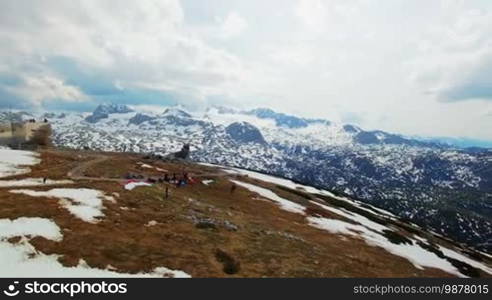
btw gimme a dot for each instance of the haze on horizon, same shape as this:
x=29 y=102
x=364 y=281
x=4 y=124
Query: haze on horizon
x=410 y=67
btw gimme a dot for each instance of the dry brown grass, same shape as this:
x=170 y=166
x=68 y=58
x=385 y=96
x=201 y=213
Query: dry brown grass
x=270 y=242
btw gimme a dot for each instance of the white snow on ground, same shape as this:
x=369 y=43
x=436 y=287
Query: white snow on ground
x=368 y=230
x=13 y=162
x=29 y=226
x=334 y=225
x=417 y=255
x=20 y=264
x=130 y=186
x=145 y=166
x=461 y=257
x=485 y=254
x=151 y=223
x=207 y=182
x=22 y=259
x=295 y=186
x=85 y=204
x=354 y=217
x=283 y=203
x=32 y=182
x=267 y=178
x=211 y=165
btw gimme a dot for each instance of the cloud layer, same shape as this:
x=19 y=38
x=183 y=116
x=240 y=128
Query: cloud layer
x=78 y=50
x=414 y=67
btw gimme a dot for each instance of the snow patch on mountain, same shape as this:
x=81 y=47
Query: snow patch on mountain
x=85 y=204
x=266 y=193
x=29 y=226
x=32 y=182
x=412 y=178
x=23 y=260
x=15 y=162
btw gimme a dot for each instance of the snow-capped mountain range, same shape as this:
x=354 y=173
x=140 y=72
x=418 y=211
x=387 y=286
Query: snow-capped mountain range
x=444 y=189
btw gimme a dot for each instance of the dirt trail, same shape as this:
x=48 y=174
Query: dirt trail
x=77 y=173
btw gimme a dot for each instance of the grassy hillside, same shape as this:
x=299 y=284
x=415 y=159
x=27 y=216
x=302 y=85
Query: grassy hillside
x=202 y=229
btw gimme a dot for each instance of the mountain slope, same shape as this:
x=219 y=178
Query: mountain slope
x=265 y=227
x=446 y=190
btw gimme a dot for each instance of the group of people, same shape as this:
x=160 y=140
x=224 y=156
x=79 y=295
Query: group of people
x=174 y=179
x=34 y=121
x=177 y=180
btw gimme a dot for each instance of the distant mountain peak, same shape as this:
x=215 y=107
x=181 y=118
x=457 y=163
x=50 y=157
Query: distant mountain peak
x=7 y=116
x=245 y=132
x=221 y=110
x=113 y=108
x=415 y=179
x=263 y=111
x=351 y=128
x=176 y=112
x=140 y=118
x=284 y=120
x=104 y=110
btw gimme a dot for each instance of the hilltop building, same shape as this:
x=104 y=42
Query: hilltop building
x=25 y=134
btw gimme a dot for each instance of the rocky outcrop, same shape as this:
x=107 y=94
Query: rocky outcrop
x=243 y=132
x=139 y=119
x=104 y=110
x=183 y=153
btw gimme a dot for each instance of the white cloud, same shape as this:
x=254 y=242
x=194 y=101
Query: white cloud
x=145 y=108
x=313 y=14
x=292 y=54
x=454 y=58
x=327 y=16
x=39 y=88
x=141 y=44
x=393 y=63
x=233 y=25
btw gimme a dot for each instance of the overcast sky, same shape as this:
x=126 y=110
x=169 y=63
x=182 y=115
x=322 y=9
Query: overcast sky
x=411 y=67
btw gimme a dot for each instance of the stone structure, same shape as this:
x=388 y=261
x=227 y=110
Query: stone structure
x=18 y=134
